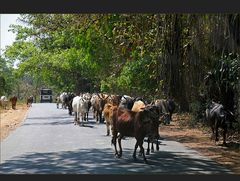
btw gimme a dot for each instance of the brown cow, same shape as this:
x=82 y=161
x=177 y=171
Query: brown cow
x=13 y=100
x=138 y=106
x=98 y=102
x=114 y=99
x=162 y=118
x=29 y=101
x=108 y=114
x=134 y=124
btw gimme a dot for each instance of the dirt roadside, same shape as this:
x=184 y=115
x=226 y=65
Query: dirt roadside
x=199 y=139
x=10 y=119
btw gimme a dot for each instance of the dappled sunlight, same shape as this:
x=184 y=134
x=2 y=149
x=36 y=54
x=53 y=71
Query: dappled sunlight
x=95 y=161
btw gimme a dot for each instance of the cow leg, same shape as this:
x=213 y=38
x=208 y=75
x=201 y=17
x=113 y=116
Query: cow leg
x=87 y=115
x=152 y=148
x=120 y=146
x=96 y=116
x=157 y=145
x=94 y=113
x=114 y=142
x=108 y=128
x=100 y=117
x=216 y=134
x=78 y=118
x=75 y=118
x=140 y=143
x=170 y=115
x=216 y=129
x=69 y=111
x=82 y=117
x=148 y=148
x=224 y=136
x=134 y=152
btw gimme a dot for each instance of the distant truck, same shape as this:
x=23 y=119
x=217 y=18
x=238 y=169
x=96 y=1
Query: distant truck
x=46 y=95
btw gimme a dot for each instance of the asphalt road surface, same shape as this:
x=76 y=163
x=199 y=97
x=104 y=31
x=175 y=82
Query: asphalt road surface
x=48 y=142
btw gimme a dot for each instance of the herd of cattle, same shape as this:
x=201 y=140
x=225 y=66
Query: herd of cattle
x=123 y=116
x=127 y=116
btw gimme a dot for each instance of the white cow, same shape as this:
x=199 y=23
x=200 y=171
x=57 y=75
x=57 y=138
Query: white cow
x=62 y=99
x=4 y=102
x=80 y=108
x=87 y=97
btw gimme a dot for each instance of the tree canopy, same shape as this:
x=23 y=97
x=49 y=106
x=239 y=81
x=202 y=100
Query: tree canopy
x=148 y=55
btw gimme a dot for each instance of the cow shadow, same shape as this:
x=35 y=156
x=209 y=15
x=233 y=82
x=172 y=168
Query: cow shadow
x=45 y=121
x=86 y=125
x=103 y=161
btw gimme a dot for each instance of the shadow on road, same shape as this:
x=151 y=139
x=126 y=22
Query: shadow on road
x=55 y=121
x=102 y=161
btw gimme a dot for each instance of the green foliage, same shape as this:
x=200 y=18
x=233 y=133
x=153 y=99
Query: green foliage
x=7 y=78
x=155 y=55
x=222 y=81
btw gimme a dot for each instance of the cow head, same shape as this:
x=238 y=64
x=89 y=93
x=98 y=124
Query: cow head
x=102 y=100
x=127 y=102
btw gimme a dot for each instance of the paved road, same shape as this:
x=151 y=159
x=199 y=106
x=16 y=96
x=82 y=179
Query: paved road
x=49 y=142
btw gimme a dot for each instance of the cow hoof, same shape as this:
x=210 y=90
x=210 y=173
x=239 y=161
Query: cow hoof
x=147 y=153
x=145 y=161
x=152 y=151
x=134 y=157
x=118 y=155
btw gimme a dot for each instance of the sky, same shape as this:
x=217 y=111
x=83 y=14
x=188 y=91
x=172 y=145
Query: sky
x=6 y=37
